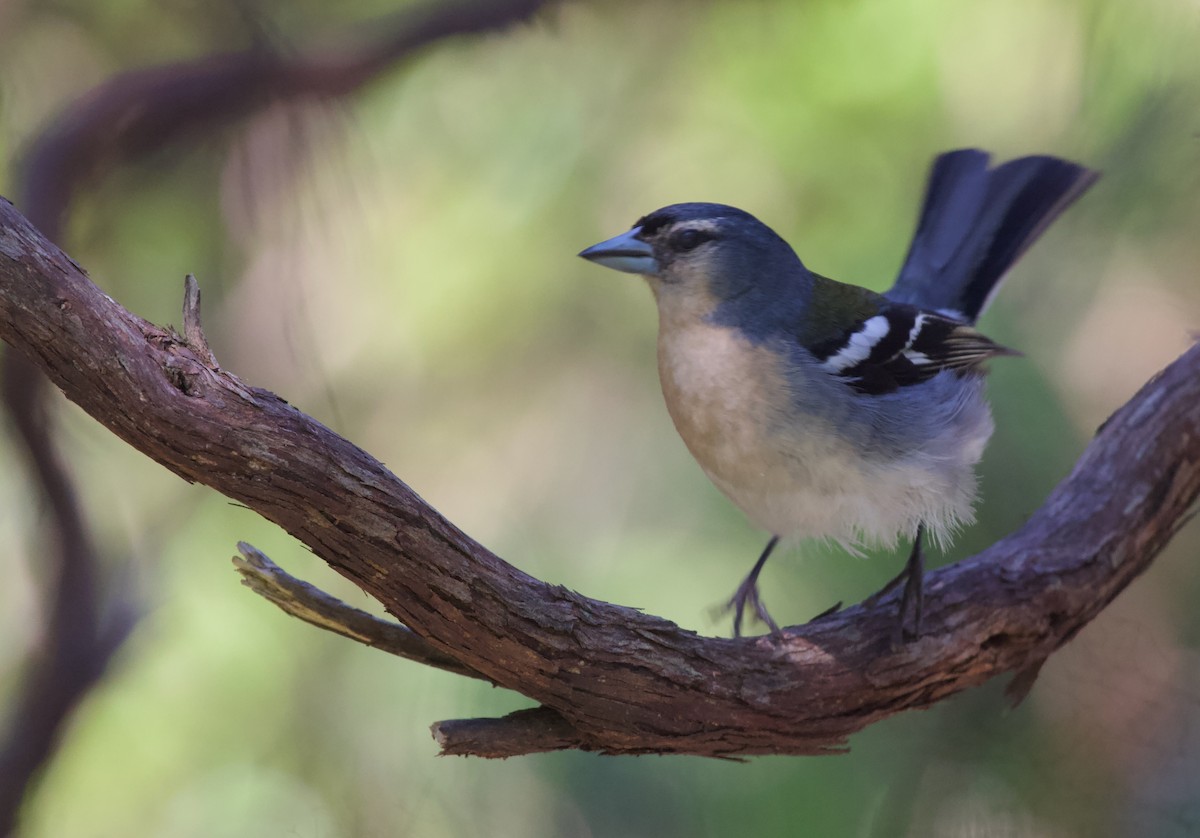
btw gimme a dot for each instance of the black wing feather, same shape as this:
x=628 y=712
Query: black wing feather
x=915 y=346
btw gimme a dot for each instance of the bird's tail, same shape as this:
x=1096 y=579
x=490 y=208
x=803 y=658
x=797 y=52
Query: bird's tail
x=976 y=222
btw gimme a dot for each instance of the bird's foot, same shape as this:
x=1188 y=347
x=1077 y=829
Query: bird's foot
x=747 y=595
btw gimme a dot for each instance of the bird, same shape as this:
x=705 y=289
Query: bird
x=826 y=410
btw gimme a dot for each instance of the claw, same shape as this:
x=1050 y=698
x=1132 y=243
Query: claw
x=747 y=594
x=831 y=610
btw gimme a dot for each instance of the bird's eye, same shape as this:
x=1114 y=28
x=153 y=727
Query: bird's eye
x=689 y=239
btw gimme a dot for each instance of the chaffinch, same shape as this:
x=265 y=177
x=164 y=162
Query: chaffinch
x=827 y=410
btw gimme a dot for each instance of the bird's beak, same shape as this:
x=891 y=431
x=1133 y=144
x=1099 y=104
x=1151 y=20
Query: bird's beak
x=625 y=252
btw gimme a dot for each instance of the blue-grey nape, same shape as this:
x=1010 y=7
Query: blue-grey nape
x=625 y=252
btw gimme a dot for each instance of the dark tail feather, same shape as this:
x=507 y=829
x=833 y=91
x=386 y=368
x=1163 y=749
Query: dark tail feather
x=976 y=222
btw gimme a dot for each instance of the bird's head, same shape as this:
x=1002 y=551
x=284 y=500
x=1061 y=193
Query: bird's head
x=698 y=256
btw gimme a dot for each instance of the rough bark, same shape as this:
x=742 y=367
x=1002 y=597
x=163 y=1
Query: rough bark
x=615 y=679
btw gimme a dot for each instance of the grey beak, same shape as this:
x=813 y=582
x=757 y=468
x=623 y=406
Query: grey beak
x=625 y=253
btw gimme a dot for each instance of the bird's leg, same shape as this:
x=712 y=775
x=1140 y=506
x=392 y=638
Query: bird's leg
x=747 y=593
x=913 y=598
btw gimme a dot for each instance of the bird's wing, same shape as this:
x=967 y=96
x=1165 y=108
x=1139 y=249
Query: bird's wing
x=898 y=345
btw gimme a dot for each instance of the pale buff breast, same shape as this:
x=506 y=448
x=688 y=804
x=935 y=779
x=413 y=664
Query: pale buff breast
x=714 y=387
x=722 y=393
x=725 y=393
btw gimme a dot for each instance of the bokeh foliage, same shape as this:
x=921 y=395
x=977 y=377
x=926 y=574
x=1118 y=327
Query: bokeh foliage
x=401 y=265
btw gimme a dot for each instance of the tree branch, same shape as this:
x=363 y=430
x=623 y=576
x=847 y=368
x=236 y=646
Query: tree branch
x=317 y=608
x=533 y=731
x=625 y=682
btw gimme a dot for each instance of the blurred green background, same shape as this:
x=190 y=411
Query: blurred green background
x=401 y=265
